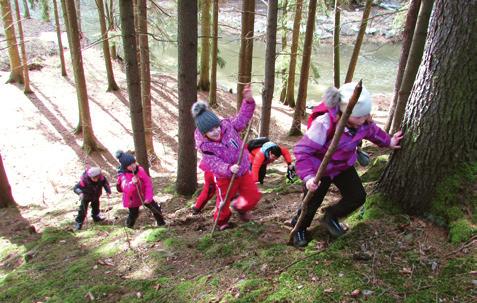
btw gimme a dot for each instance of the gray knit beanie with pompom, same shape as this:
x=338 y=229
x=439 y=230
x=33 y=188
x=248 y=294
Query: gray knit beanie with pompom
x=204 y=119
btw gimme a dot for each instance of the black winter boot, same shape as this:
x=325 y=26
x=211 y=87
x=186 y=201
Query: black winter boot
x=157 y=212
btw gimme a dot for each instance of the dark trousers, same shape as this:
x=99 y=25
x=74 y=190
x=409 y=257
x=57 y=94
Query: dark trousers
x=262 y=172
x=352 y=192
x=153 y=207
x=83 y=210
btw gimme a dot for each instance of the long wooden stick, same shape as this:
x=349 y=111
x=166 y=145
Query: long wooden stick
x=331 y=149
x=223 y=202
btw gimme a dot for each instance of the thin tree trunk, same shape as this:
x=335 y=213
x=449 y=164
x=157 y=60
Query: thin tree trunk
x=58 y=35
x=270 y=55
x=284 y=27
x=6 y=197
x=204 y=82
x=359 y=40
x=26 y=88
x=290 y=97
x=336 y=45
x=413 y=61
x=295 y=129
x=78 y=17
x=26 y=10
x=15 y=66
x=215 y=51
x=407 y=35
x=145 y=77
x=187 y=94
x=112 y=86
x=246 y=48
x=45 y=11
x=90 y=142
x=126 y=11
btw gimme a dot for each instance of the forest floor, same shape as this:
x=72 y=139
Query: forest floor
x=392 y=258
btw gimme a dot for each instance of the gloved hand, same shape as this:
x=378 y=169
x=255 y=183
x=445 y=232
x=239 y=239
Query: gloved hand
x=81 y=196
x=134 y=179
x=311 y=185
x=234 y=168
x=291 y=173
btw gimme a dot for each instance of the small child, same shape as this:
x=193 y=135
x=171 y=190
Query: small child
x=137 y=189
x=89 y=189
x=311 y=149
x=260 y=157
x=219 y=142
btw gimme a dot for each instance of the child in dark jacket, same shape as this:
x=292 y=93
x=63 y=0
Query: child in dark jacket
x=89 y=189
x=311 y=149
x=219 y=142
x=136 y=186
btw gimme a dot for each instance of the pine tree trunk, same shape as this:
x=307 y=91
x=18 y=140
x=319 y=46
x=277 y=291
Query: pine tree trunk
x=204 y=82
x=26 y=10
x=413 y=61
x=90 y=143
x=215 y=51
x=6 y=197
x=284 y=25
x=78 y=17
x=440 y=121
x=112 y=86
x=270 y=53
x=126 y=11
x=58 y=35
x=359 y=40
x=295 y=129
x=336 y=45
x=145 y=77
x=407 y=34
x=187 y=94
x=290 y=97
x=15 y=66
x=45 y=11
x=246 y=48
x=26 y=78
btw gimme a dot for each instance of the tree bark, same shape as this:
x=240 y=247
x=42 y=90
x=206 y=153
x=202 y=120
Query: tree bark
x=90 y=142
x=112 y=86
x=6 y=197
x=440 y=121
x=407 y=34
x=336 y=45
x=359 y=41
x=26 y=10
x=283 y=26
x=26 y=78
x=78 y=17
x=126 y=11
x=58 y=36
x=270 y=55
x=145 y=77
x=187 y=94
x=413 y=61
x=215 y=51
x=15 y=66
x=246 y=48
x=295 y=129
x=45 y=11
x=204 y=82
x=290 y=96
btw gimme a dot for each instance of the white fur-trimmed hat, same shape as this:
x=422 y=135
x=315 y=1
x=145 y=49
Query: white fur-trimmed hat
x=364 y=104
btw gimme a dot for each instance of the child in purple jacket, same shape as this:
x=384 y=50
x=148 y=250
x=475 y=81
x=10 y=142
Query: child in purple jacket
x=311 y=149
x=219 y=142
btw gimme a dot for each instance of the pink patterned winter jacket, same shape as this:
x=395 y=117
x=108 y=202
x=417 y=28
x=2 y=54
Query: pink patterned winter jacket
x=131 y=197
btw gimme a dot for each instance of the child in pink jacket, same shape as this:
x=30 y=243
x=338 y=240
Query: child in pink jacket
x=137 y=190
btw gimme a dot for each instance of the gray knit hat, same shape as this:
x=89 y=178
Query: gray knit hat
x=204 y=119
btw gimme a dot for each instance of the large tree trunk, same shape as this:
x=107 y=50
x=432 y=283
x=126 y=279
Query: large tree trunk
x=269 y=86
x=246 y=48
x=413 y=61
x=290 y=96
x=90 y=143
x=126 y=11
x=112 y=86
x=145 y=77
x=58 y=36
x=15 y=66
x=215 y=51
x=187 y=94
x=295 y=129
x=336 y=45
x=26 y=88
x=204 y=82
x=45 y=11
x=359 y=41
x=6 y=198
x=440 y=121
x=26 y=10
x=407 y=34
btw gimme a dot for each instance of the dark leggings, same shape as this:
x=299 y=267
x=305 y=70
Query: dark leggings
x=262 y=172
x=352 y=192
x=83 y=209
x=134 y=213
